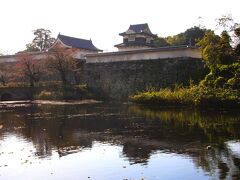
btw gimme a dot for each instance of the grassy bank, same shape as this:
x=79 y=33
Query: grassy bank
x=190 y=96
x=59 y=92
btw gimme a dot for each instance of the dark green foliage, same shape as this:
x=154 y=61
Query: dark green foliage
x=222 y=60
x=42 y=40
x=209 y=45
x=194 y=34
x=237 y=48
x=190 y=37
x=219 y=82
x=219 y=88
x=53 y=91
x=161 y=42
x=225 y=49
x=237 y=51
x=177 y=40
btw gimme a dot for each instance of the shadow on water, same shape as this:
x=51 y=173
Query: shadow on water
x=209 y=138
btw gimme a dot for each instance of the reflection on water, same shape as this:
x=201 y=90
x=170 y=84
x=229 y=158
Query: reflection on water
x=112 y=141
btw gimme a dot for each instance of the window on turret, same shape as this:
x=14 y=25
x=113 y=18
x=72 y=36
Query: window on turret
x=148 y=40
x=140 y=40
x=131 y=38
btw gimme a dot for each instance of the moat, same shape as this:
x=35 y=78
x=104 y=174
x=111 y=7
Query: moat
x=99 y=141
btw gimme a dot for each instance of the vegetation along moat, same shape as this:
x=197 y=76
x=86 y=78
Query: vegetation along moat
x=221 y=85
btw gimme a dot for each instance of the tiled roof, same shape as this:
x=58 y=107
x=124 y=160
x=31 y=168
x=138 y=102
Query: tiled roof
x=139 y=28
x=78 y=43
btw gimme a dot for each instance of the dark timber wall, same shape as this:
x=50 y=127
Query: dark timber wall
x=118 y=80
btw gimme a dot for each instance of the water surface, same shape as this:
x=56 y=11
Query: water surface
x=117 y=141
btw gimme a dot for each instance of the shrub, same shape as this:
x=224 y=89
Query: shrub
x=219 y=82
x=47 y=95
x=194 y=95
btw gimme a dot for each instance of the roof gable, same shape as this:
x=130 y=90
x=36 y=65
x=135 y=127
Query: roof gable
x=77 y=43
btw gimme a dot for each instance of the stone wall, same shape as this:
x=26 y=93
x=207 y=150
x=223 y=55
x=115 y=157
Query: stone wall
x=118 y=80
x=15 y=93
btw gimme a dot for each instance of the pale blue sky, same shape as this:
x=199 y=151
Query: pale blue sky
x=102 y=20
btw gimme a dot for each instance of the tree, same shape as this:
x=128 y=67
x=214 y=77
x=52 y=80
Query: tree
x=209 y=45
x=225 y=49
x=189 y=37
x=28 y=68
x=237 y=48
x=61 y=60
x=6 y=73
x=226 y=22
x=176 y=40
x=221 y=60
x=42 y=40
x=194 y=34
x=161 y=42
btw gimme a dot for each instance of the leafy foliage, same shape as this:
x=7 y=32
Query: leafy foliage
x=61 y=61
x=194 y=95
x=42 y=40
x=28 y=68
x=222 y=60
x=161 y=42
x=220 y=88
x=190 y=37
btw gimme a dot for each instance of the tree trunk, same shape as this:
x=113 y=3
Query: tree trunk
x=63 y=77
x=31 y=83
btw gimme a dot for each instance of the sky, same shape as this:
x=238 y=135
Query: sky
x=102 y=20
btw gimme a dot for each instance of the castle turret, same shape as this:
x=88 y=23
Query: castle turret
x=138 y=36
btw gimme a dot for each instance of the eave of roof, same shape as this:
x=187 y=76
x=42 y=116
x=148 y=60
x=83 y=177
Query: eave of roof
x=142 y=33
x=134 y=44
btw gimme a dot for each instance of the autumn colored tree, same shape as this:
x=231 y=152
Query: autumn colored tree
x=42 y=40
x=61 y=60
x=28 y=68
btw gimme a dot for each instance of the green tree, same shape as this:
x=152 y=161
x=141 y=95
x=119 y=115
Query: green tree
x=194 y=34
x=237 y=48
x=209 y=45
x=225 y=49
x=189 y=37
x=42 y=40
x=176 y=40
x=161 y=42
